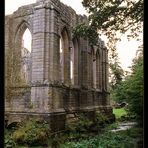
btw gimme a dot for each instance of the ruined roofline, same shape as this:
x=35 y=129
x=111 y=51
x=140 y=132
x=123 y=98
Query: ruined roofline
x=57 y=1
x=51 y=4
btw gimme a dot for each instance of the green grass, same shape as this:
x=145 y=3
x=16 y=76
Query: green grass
x=119 y=112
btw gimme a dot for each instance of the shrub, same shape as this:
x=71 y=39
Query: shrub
x=32 y=132
x=9 y=142
x=101 y=119
x=81 y=124
x=106 y=140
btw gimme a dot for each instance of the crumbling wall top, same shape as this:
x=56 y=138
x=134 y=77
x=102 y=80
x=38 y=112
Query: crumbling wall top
x=66 y=12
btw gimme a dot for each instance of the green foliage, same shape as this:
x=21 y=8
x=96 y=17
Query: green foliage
x=84 y=124
x=111 y=17
x=32 y=132
x=33 y=129
x=101 y=119
x=108 y=139
x=37 y=132
x=115 y=14
x=8 y=140
x=132 y=88
x=112 y=126
x=116 y=72
x=87 y=32
x=81 y=124
x=83 y=127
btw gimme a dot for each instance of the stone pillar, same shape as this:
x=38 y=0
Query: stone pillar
x=8 y=50
x=100 y=69
x=106 y=68
x=97 y=70
x=76 y=60
x=38 y=45
x=103 y=68
x=105 y=94
x=65 y=56
x=39 y=91
x=84 y=63
x=90 y=68
x=54 y=54
x=8 y=61
x=79 y=65
x=107 y=79
x=66 y=66
x=94 y=70
x=7 y=33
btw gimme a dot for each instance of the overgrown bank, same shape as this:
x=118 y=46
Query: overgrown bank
x=80 y=134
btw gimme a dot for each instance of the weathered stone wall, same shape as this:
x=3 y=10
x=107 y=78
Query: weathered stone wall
x=51 y=89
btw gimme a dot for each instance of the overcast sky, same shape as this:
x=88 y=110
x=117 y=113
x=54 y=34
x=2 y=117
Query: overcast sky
x=12 y=5
x=126 y=49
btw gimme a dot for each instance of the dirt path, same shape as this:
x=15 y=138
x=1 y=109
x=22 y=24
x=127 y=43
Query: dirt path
x=124 y=126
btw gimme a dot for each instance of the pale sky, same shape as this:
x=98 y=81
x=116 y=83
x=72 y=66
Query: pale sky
x=126 y=49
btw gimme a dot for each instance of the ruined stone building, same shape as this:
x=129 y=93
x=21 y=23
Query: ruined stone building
x=66 y=77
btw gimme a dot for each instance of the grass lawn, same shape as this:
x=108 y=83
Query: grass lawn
x=119 y=112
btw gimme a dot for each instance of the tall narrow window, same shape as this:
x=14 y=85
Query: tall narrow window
x=27 y=38
x=74 y=61
x=72 y=64
x=61 y=60
x=94 y=71
x=26 y=56
x=64 y=57
x=98 y=70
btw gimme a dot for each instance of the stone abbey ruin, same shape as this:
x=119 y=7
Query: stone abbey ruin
x=66 y=76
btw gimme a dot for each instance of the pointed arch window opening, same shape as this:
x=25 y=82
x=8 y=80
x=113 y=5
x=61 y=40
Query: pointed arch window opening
x=94 y=70
x=64 y=59
x=72 y=63
x=61 y=59
x=26 y=60
x=27 y=40
x=61 y=46
x=98 y=68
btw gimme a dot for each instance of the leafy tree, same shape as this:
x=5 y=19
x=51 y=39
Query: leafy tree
x=116 y=71
x=132 y=88
x=111 y=17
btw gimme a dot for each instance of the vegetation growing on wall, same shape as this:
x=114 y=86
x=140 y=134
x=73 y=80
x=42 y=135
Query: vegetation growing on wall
x=12 y=75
